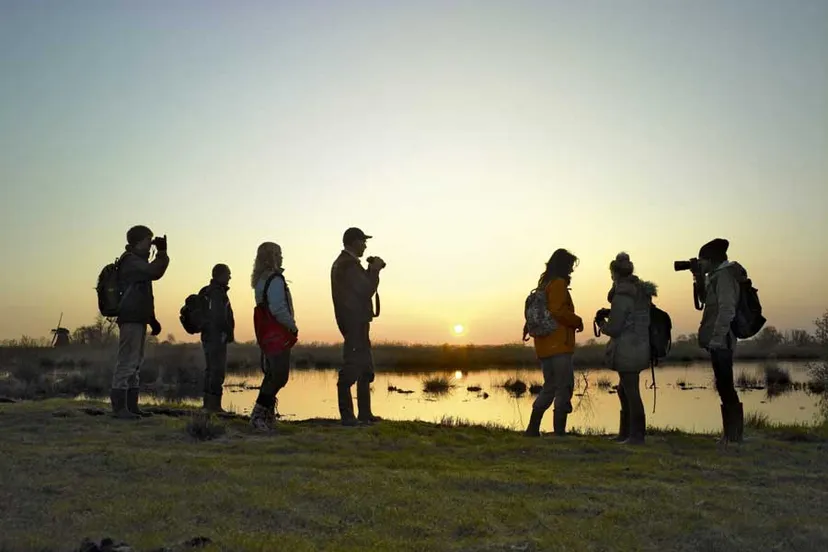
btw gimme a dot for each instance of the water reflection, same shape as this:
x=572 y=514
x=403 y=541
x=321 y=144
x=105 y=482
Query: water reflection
x=684 y=397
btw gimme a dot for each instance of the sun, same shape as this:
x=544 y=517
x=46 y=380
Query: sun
x=458 y=329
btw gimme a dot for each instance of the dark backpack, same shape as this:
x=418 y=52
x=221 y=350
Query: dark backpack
x=538 y=321
x=661 y=327
x=109 y=290
x=195 y=313
x=748 y=320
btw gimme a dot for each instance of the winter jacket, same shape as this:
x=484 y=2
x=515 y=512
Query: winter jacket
x=352 y=288
x=279 y=299
x=628 y=325
x=560 y=306
x=221 y=323
x=135 y=277
x=721 y=298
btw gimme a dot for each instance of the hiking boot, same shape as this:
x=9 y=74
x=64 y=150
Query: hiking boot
x=212 y=403
x=638 y=428
x=623 y=427
x=346 y=406
x=258 y=418
x=118 y=398
x=533 y=429
x=559 y=423
x=132 y=403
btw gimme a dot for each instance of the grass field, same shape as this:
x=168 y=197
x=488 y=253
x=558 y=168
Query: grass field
x=400 y=486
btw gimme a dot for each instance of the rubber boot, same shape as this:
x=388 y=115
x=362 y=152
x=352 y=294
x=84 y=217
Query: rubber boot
x=638 y=428
x=725 y=438
x=118 y=398
x=733 y=423
x=739 y=422
x=533 y=429
x=623 y=427
x=559 y=423
x=346 y=406
x=364 y=403
x=132 y=403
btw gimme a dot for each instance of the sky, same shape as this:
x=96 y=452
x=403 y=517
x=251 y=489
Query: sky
x=470 y=138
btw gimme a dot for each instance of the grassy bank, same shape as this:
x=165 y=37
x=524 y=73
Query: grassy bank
x=399 y=486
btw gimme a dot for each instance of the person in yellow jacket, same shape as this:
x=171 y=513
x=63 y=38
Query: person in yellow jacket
x=555 y=350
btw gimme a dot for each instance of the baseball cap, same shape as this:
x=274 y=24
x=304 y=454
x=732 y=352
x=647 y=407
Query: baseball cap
x=354 y=234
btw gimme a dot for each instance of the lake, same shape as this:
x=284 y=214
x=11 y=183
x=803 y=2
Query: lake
x=684 y=398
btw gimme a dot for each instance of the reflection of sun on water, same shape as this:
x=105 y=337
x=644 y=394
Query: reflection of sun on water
x=458 y=375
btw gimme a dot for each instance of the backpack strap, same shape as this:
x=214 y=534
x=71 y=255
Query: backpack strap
x=287 y=292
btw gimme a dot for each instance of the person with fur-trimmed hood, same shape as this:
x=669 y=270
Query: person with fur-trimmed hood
x=722 y=283
x=137 y=311
x=628 y=351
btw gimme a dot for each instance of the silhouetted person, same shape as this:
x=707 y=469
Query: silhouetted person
x=555 y=350
x=721 y=297
x=137 y=310
x=628 y=351
x=219 y=330
x=352 y=288
x=276 y=367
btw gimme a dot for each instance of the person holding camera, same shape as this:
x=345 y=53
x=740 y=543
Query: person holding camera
x=352 y=288
x=219 y=330
x=627 y=323
x=268 y=267
x=136 y=311
x=722 y=280
x=556 y=349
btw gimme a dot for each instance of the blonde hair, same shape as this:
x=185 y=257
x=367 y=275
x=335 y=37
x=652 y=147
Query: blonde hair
x=265 y=262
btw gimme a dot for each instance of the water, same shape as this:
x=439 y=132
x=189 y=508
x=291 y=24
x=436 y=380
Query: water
x=312 y=394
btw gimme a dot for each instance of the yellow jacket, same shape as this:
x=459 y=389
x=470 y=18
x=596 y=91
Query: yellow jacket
x=559 y=303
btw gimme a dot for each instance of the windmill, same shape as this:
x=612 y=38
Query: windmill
x=60 y=335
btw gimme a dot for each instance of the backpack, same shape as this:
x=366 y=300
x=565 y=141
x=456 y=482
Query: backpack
x=748 y=320
x=109 y=290
x=538 y=320
x=195 y=313
x=271 y=336
x=661 y=327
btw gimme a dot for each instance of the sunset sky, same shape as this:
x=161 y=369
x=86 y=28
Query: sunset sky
x=471 y=138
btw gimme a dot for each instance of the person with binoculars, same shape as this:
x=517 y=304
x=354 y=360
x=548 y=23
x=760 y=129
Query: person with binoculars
x=136 y=311
x=627 y=323
x=716 y=289
x=352 y=288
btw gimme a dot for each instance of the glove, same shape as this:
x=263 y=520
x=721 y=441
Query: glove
x=161 y=243
x=155 y=326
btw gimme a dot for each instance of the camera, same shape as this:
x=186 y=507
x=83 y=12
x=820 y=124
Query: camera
x=692 y=265
x=600 y=317
x=695 y=268
x=371 y=260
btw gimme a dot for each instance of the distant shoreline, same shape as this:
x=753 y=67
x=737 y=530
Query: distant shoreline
x=389 y=357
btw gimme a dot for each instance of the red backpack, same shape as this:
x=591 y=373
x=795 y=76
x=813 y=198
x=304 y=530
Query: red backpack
x=271 y=335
